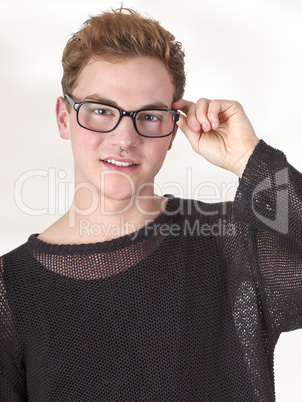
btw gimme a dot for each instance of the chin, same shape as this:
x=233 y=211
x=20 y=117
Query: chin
x=123 y=194
x=118 y=187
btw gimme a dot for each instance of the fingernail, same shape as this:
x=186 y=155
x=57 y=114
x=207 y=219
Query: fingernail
x=204 y=126
x=193 y=126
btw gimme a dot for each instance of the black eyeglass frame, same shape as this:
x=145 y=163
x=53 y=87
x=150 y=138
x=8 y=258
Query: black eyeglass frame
x=76 y=106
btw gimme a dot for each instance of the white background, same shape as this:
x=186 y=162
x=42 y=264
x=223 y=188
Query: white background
x=249 y=51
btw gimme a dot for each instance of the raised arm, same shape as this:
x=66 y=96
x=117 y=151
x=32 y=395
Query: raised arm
x=269 y=200
x=267 y=206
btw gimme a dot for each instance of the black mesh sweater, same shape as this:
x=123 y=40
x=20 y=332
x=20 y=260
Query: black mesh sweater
x=188 y=308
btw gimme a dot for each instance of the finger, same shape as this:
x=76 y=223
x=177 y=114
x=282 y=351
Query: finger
x=183 y=125
x=215 y=107
x=189 y=108
x=183 y=105
x=202 y=107
x=218 y=107
x=192 y=119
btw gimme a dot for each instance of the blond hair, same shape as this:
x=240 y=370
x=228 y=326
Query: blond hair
x=118 y=35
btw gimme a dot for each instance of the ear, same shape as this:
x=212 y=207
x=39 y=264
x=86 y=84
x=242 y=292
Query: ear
x=172 y=137
x=62 y=115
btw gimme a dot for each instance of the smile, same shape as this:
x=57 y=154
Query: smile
x=117 y=163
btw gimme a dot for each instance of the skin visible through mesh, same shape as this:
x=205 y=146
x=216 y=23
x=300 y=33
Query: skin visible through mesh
x=98 y=265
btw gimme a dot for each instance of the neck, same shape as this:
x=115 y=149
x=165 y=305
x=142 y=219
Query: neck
x=94 y=218
x=107 y=219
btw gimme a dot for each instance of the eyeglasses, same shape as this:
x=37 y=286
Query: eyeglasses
x=102 y=118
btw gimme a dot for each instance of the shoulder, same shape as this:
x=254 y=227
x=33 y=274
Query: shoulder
x=12 y=262
x=194 y=218
x=19 y=250
x=195 y=209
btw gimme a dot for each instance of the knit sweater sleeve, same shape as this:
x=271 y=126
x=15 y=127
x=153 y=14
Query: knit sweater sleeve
x=269 y=200
x=12 y=375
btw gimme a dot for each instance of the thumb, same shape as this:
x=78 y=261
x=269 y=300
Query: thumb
x=192 y=136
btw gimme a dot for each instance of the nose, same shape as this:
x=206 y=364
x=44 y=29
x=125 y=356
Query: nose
x=125 y=133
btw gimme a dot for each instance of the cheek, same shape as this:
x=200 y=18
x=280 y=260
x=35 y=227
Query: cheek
x=81 y=138
x=159 y=151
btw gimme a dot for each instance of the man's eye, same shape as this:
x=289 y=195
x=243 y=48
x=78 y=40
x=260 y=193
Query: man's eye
x=149 y=117
x=103 y=112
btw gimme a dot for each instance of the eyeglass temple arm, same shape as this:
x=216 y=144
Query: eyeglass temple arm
x=71 y=101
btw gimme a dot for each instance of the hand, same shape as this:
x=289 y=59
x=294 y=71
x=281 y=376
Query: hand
x=218 y=130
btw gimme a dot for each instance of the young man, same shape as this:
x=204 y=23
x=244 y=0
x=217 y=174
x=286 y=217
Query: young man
x=158 y=304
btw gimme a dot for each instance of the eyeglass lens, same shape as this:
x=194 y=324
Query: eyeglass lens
x=151 y=123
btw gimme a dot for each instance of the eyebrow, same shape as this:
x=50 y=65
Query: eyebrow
x=100 y=99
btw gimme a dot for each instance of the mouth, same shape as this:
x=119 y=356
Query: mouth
x=119 y=163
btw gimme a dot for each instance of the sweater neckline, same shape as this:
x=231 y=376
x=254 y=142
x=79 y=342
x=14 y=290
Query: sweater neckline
x=108 y=245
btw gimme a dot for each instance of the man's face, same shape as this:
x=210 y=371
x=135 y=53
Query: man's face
x=133 y=84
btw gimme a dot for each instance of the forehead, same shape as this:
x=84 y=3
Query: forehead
x=132 y=82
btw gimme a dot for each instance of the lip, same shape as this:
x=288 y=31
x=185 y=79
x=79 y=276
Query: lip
x=119 y=159
x=115 y=168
